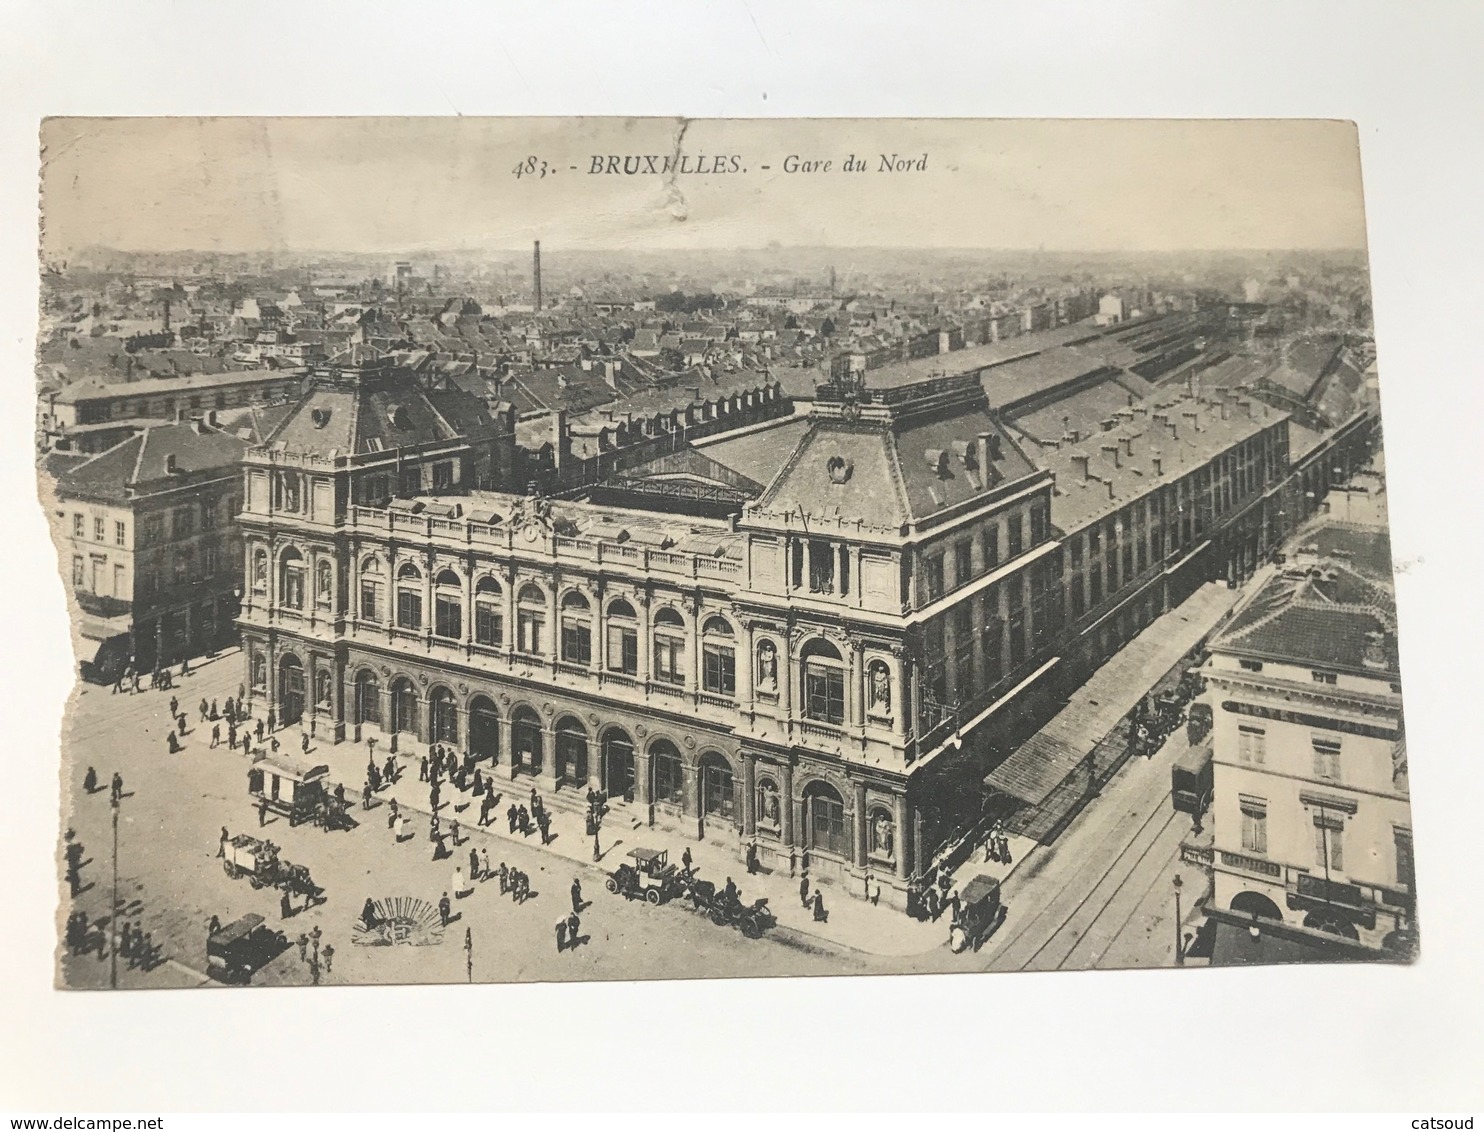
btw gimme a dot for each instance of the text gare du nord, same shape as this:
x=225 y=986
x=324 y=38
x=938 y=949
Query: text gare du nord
x=634 y=164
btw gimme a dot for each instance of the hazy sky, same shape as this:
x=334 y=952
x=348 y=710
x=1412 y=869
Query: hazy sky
x=411 y=184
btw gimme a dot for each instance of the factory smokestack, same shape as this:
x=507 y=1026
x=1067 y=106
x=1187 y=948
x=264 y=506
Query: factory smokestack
x=536 y=268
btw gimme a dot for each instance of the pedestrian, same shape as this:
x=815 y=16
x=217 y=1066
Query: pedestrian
x=262 y=812
x=955 y=903
x=523 y=819
x=146 y=950
x=473 y=865
x=453 y=831
x=181 y=720
x=804 y=892
x=329 y=957
x=577 y=904
x=685 y=859
x=574 y=926
x=90 y=781
x=303 y=942
x=216 y=735
x=597 y=852
x=314 y=969
x=221 y=849
x=402 y=834
x=314 y=934
x=116 y=787
x=433 y=796
x=875 y=893
x=241 y=693
x=285 y=907
x=543 y=822
x=273 y=743
x=512 y=815
x=174 y=706
x=458 y=881
x=1004 y=850
x=272 y=720
x=478 y=783
x=246 y=743
x=435 y=828
x=422 y=769
x=389 y=772
x=204 y=709
x=213 y=925
x=392 y=814
x=820 y=915
x=135 y=686
x=752 y=861
x=172 y=742
x=484 y=864
x=231 y=734
x=118 y=684
x=260 y=730
x=484 y=810
x=504 y=879
x=366 y=796
x=561 y=934
x=304 y=743
x=185 y=666
x=444 y=909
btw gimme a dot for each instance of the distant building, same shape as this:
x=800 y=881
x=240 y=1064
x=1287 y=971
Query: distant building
x=150 y=548
x=1110 y=310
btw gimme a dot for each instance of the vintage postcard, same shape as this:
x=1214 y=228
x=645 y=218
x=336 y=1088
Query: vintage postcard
x=564 y=549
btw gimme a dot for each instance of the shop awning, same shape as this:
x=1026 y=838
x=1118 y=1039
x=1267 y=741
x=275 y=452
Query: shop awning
x=1033 y=771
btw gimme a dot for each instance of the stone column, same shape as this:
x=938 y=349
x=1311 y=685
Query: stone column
x=855 y=675
x=749 y=794
x=646 y=641
x=337 y=700
x=507 y=742
x=693 y=647
x=690 y=795
x=747 y=668
x=641 y=784
x=860 y=825
x=899 y=815
x=786 y=806
x=548 y=774
x=898 y=694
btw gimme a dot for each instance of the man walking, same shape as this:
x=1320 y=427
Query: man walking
x=445 y=908
x=577 y=904
x=574 y=925
x=561 y=934
x=804 y=892
x=116 y=788
x=262 y=812
x=303 y=942
x=543 y=822
x=504 y=879
x=221 y=849
x=329 y=957
x=422 y=769
x=216 y=735
x=474 y=874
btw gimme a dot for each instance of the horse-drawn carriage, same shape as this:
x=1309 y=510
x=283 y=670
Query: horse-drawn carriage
x=724 y=905
x=284 y=787
x=259 y=862
x=980 y=912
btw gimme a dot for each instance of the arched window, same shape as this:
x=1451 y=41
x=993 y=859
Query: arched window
x=527 y=740
x=409 y=597
x=448 y=606
x=489 y=613
x=324 y=582
x=260 y=571
x=571 y=751
x=445 y=716
x=718 y=658
x=577 y=629
x=882 y=829
x=373 y=591
x=368 y=697
x=291 y=580
x=530 y=621
x=623 y=638
x=717 y=793
x=824 y=812
x=824 y=682
x=667 y=774
x=669 y=647
x=404 y=705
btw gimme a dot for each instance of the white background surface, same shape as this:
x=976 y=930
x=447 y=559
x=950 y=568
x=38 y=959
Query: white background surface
x=1286 y=1039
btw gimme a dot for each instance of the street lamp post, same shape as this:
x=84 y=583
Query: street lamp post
x=113 y=916
x=1179 y=945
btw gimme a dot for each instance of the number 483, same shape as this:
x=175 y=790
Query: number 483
x=530 y=167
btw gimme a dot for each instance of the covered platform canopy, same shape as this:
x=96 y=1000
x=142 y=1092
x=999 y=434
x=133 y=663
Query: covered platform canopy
x=1033 y=771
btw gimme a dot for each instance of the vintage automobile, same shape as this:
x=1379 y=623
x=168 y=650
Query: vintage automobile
x=1191 y=781
x=651 y=877
x=724 y=907
x=980 y=912
x=235 y=953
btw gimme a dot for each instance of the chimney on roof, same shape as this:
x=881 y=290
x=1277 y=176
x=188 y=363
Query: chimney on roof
x=1128 y=445
x=1159 y=463
x=1226 y=411
x=1083 y=463
x=1194 y=417
x=1114 y=453
x=1109 y=482
x=981 y=450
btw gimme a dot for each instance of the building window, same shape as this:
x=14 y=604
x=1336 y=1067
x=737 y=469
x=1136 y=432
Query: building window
x=824 y=683
x=448 y=606
x=286 y=491
x=718 y=658
x=623 y=639
x=443 y=476
x=1325 y=678
x=669 y=647
x=119 y=538
x=118 y=582
x=1254 y=824
x=1251 y=745
x=410 y=482
x=1329 y=842
x=78 y=528
x=79 y=572
x=1406 y=869
x=409 y=597
x=1039 y=523
x=1015 y=536
x=371 y=590
x=208 y=516
x=821 y=567
x=489 y=614
x=98 y=528
x=963 y=562
x=530 y=621
x=291 y=579
x=992 y=546
x=669 y=776
x=209 y=562
x=963 y=649
x=1326 y=758
x=577 y=629
x=932 y=575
